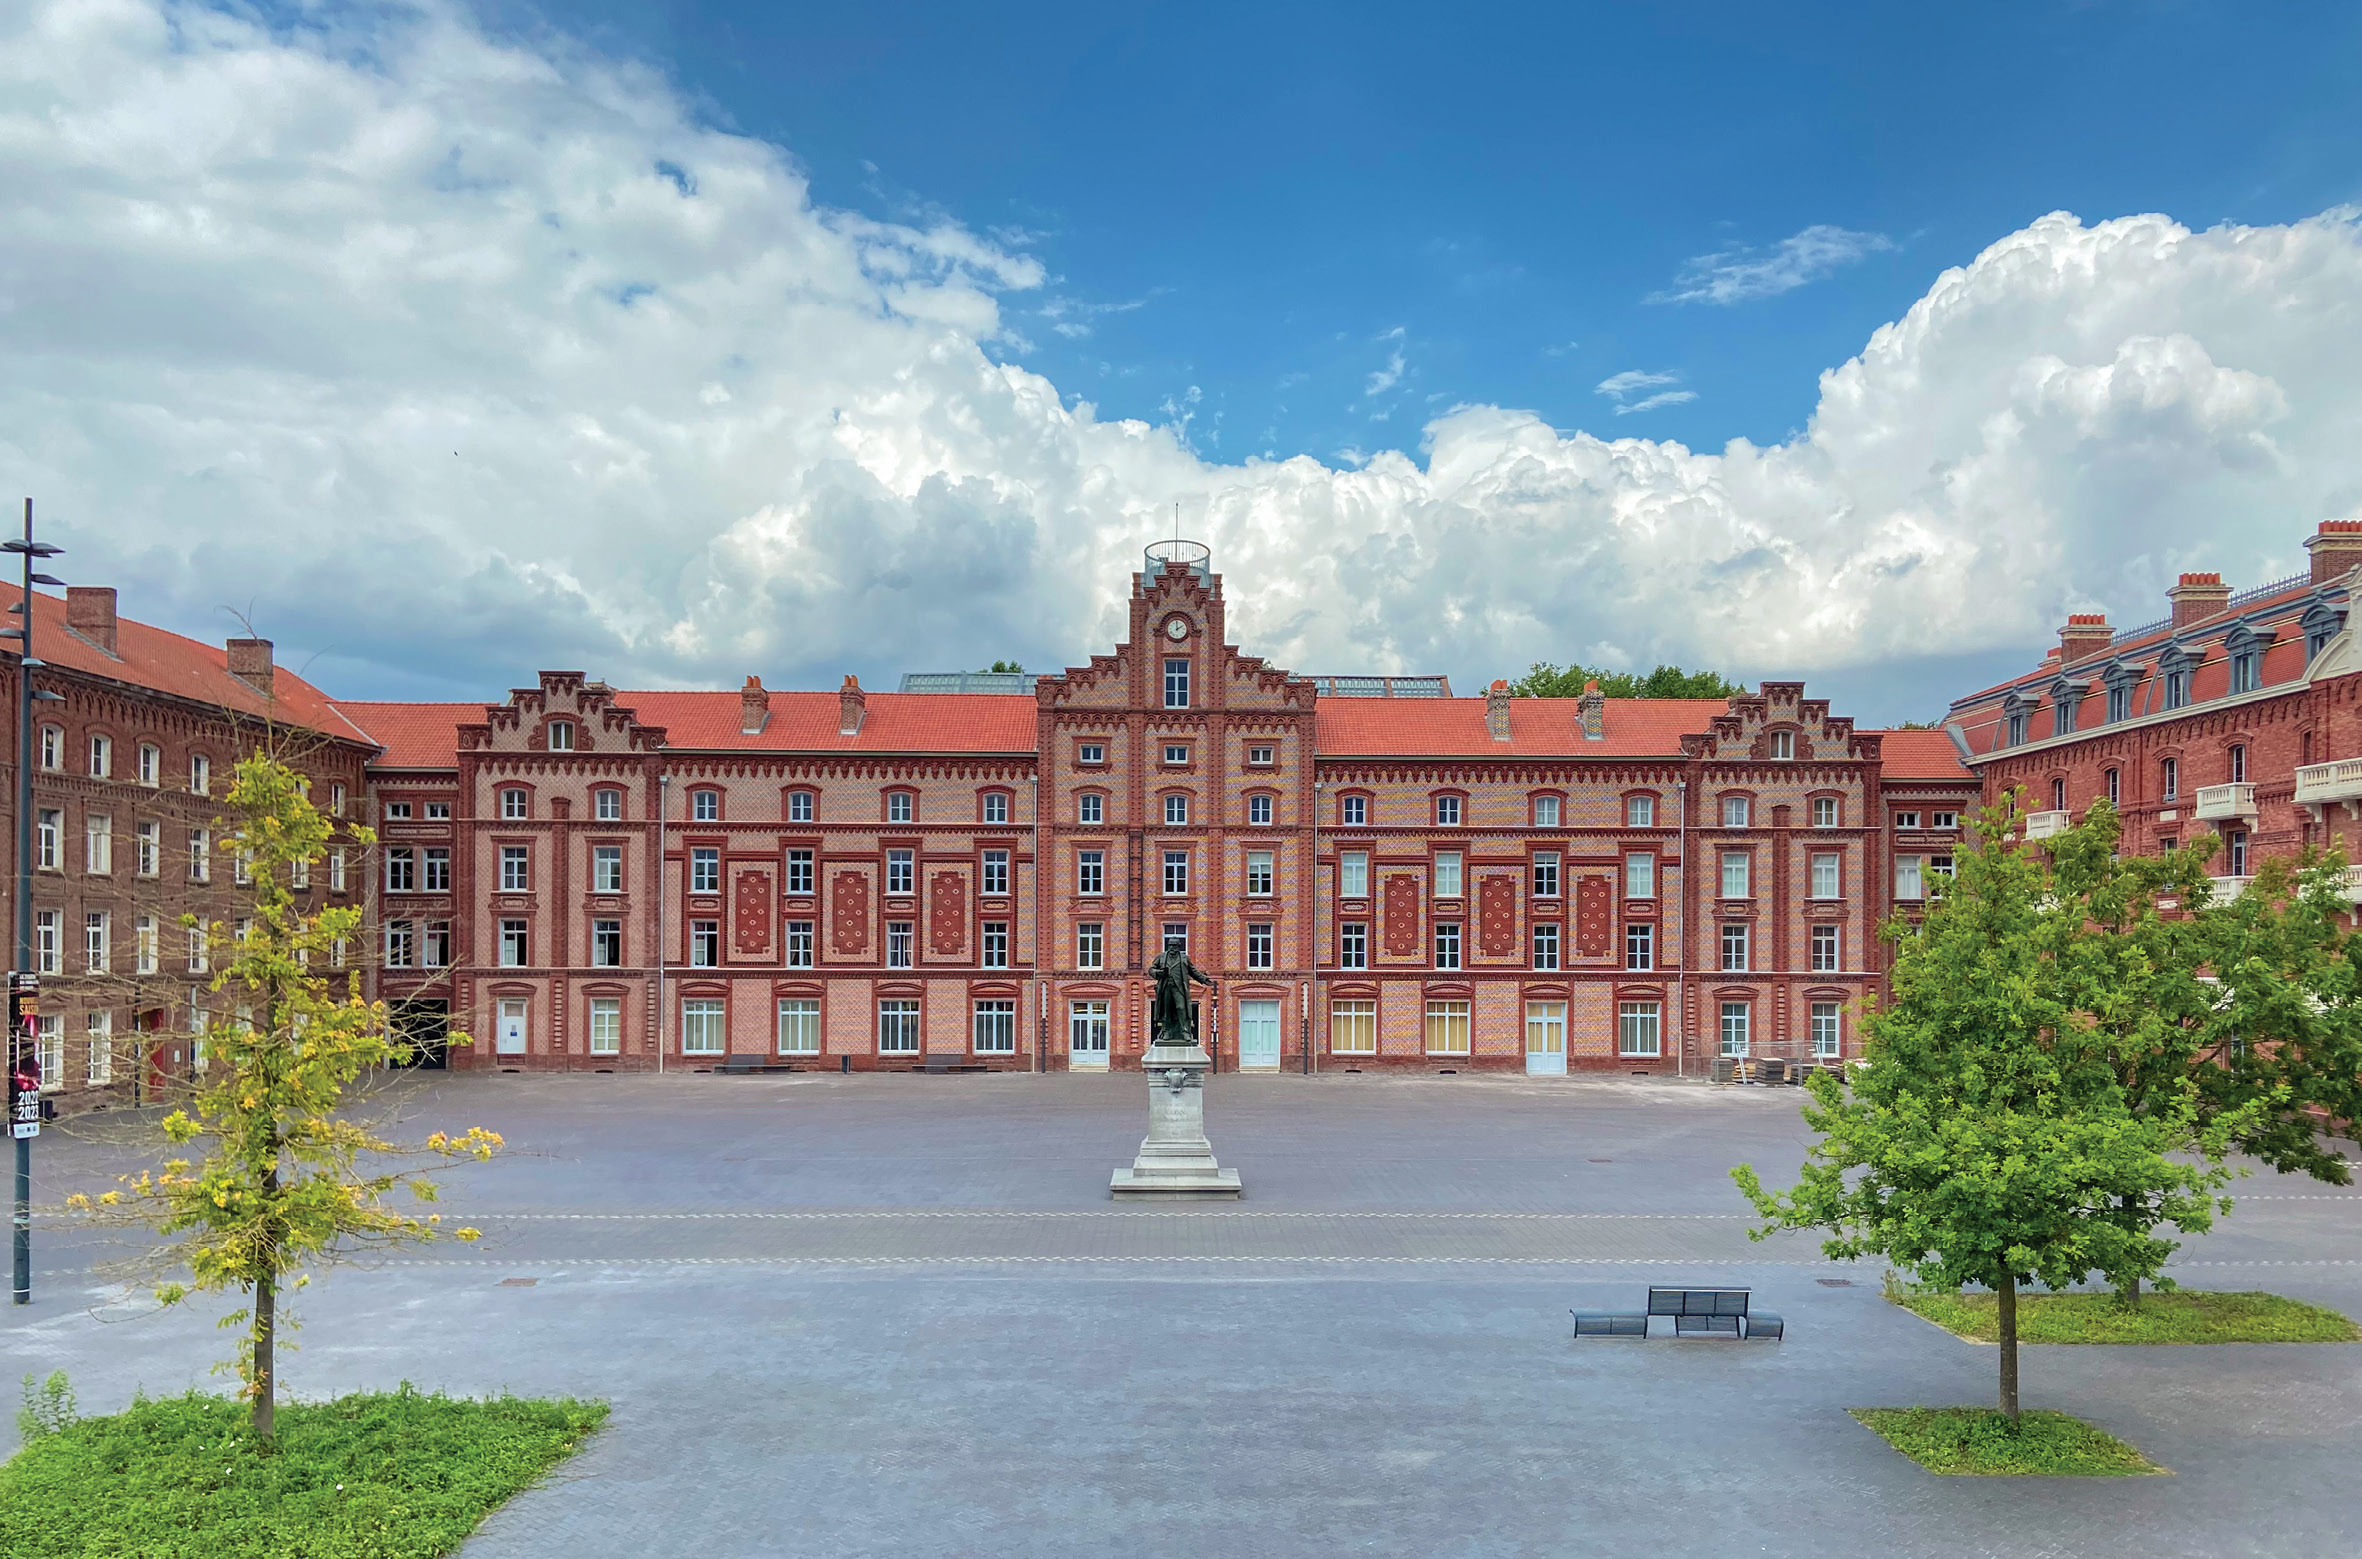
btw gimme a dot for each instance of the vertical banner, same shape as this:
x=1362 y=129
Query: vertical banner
x=24 y=1055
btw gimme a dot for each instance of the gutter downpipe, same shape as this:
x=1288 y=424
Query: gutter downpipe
x=1681 y=968
x=663 y=811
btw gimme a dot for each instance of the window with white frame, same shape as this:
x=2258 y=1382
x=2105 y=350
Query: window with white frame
x=799 y=944
x=1906 y=820
x=1353 y=811
x=49 y=823
x=1258 y=811
x=1734 y=811
x=995 y=881
x=996 y=806
x=902 y=806
x=705 y=943
x=1259 y=944
x=1545 y=811
x=1640 y=811
x=1827 y=958
x=606 y=1025
x=1176 y=682
x=336 y=868
x=1176 y=874
x=200 y=774
x=1447 y=1028
x=1176 y=755
x=1736 y=874
x=198 y=962
x=1944 y=820
x=99 y=1031
x=47 y=931
x=799 y=873
x=1353 y=944
x=98 y=844
x=898 y=1027
x=1545 y=944
x=705 y=870
x=996 y=945
x=143 y=945
x=1825 y=812
x=1825 y=1037
x=1637 y=1028
x=53 y=748
x=401 y=869
x=401 y=947
x=607 y=869
x=2238 y=763
x=1447 y=874
x=606 y=944
x=1447 y=944
x=1353 y=874
x=200 y=855
x=1090 y=944
x=436 y=951
x=440 y=811
x=1908 y=885
x=705 y=806
x=995 y=1031
x=1734 y=947
x=102 y=757
x=241 y=867
x=1545 y=872
x=397 y=811
x=607 y=806
x=515 y=945
x=799 y=1025
x=149 y=859
x=1176 y=811
x=800 y=806
x=899 y=941
x=1783 y=744
x=2110 y=786
x=1259 y=874
x=1090 y=873
x=1090 y=809
x=299 y=872
x=1447 y=811
x=52 y=1047
x=1176 y=938
x=1261 y=757
x=1353 y=1028
x=703 y=1031
x=2169 y=774
x=1090 y=752
x=336 y=800
x=1640 y=944
x=97 y=941
x=561 y=736
x=1828 y=880
x=1640 y=875
x=1737 y=1017
x=516 y=869
x=515 y=805
x=151 y=765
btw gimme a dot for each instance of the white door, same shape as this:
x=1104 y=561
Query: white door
x=1258 y=1036
x=1545 y=1038
x=1086 y=1036
x=508 y=1036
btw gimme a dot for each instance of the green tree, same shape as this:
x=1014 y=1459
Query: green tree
x=1988 y=1137
x=1004 y=665
x=283 y=1175
x=1549 y=681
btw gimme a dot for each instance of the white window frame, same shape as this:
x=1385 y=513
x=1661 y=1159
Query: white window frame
x=996 y=806
x=705 y=868
x=1090 y=873
x=1353 y=874
x=898 y=1026
x=705 y=806
x=1827 y=1020
x=1353 y=1028
x=1910 y=884
x=1448 y=876
x=1828 y=875
x=607 y=868
x=1736 y=1030
x=1090 y=944
x=798 y=1026
x=1259 y=944
x=102 y=756
x=98 y=844
x=516 y=805
x=98 y=1029
x=1176 y=874
x=604 y=1036
x=1738 y=874
x=200 y=774
x=516 y=868
x=1261 y=873
x=1258 y=811
x=705 y=1029
x=1735 y=947
x=1640 y=874
x=1090 y=809
x=992 y=1026
x=48 y=940
x=1736 y=810
x=607 y=804
x=1546 y=812
x=1640 y=946
x=1832 y=938
x=1640 y=1028
x=1176 y=810
x=1447 y=944
x=1447 y=811
x=151 y=765
x=901 y=943
x=1545 y=940
x=1444 y=1027
x=1825 y=812
x=800 y=945
x=1353 y=944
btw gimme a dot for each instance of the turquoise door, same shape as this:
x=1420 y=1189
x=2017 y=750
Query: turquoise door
x=1258 y=1036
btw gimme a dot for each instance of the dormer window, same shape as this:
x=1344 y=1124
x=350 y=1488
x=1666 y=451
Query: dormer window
x=2321 y=624
x=2013 y=716
x=2174 y=667
x=1783 y=744
x=2066 y=703
x=705 y=806
x=561 y=736
x=2122 y=680
x=2245 y=651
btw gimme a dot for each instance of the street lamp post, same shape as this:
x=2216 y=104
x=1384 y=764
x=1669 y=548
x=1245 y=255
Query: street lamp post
x=23 y=1036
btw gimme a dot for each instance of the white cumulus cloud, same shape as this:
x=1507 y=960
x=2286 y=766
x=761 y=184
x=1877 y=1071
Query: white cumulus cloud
x=455 y=357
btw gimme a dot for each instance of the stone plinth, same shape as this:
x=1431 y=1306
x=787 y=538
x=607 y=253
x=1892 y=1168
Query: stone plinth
x=1176 y=1162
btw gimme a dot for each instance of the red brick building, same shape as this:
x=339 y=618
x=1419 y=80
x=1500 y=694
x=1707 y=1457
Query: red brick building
x=1380 y=875
x=2234 y=715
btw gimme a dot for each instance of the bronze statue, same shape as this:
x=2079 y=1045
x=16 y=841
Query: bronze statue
x=1169 y=1022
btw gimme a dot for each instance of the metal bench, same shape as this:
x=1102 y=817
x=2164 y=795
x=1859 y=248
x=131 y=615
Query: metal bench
x=1610 y=1323
x=1710 y=1312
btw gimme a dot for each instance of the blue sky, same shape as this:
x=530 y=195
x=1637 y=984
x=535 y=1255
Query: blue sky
x=680 y=343
x=1272 y=206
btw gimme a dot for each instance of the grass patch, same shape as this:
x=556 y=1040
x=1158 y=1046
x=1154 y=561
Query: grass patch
x=1976 y=1442
x=394 y=1475
x=2183 y=1316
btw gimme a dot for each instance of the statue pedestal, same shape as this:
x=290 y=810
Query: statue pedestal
x=1176 y=1162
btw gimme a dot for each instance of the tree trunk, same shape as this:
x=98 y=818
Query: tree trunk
x=2008 y=1295
x=266 y=1321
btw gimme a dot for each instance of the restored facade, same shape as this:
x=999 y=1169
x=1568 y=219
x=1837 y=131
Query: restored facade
x=1379 y=875
x=2235 y=715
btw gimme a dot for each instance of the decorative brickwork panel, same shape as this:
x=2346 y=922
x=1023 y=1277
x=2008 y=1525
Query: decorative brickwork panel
x=751 y=914
x=1594 y=916
x=1496 y=917
x=848 y=914
x=947 y=915
x=1402 y=915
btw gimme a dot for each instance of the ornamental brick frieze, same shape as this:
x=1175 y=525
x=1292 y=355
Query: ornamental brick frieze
x=1402 y=915
x=751 y=914
x=848 y=914
x=1595 y=900
x=947 y=914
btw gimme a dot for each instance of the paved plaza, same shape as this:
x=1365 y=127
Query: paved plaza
x=898 y=1315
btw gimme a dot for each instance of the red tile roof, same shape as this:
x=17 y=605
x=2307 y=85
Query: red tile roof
x=807 y=722
x=1538 y=727
x=414 y=736
x=1923 y=755
x=164 y=662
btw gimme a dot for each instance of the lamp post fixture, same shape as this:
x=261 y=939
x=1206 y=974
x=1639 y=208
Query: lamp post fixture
x=24 y=1038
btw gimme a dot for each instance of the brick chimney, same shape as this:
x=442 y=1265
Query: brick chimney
x=1496 y=710
x=2086 y=634
x=851 y=702
x=2198 y=597
x=250 y=662
x=2336 y=547
x=1591 y=710
x=90 y=612
x=754 y=707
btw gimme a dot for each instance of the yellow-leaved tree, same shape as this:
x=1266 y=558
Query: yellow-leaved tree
x=271 y=1171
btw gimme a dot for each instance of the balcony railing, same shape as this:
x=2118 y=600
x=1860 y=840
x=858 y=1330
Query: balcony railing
x=2229 y=888
x=2224 y=801
x=2041 y=825
x=2318 y=784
